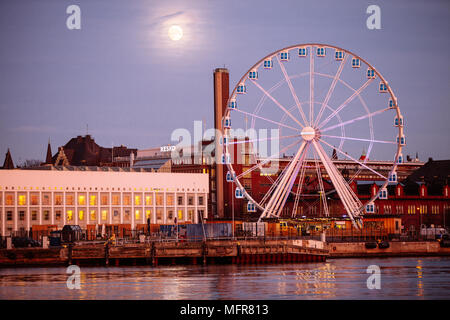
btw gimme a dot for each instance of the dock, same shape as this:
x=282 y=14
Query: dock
x=163 y=253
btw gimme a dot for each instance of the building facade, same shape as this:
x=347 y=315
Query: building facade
x=89 y=197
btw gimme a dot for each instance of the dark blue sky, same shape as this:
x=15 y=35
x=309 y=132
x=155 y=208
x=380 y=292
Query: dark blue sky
x=132 y=85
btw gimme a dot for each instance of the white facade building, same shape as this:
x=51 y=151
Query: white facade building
x=91 y=197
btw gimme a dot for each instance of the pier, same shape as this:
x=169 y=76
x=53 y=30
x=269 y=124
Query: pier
x=156 y=253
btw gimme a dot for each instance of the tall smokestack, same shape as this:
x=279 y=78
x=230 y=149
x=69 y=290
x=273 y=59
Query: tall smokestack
x=221 y=94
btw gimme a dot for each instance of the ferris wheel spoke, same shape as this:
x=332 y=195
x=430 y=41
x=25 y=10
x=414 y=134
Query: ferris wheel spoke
x=322 y=193
x=278 y=209
x=348 y=198
x=280 y=191
x=354 y=120
x=268 y=159
x=351 y=158
x=358 y=139
x=294 y=95
x=268 y=120
x=299 y=189
x=277 y=103
x=311 y=85
x=274 y=185
x=331 y=90
x=346 y=102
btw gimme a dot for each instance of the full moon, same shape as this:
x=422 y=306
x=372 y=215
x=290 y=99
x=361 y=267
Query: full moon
x=175 y=33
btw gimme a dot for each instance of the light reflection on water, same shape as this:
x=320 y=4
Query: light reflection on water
x=401 y=278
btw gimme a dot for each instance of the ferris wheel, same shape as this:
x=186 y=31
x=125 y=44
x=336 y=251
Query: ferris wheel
x=310 y=101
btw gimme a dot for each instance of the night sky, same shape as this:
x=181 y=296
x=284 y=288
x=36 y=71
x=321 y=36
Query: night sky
x=131 y=84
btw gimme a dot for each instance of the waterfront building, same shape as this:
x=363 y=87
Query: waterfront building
x=91 y=196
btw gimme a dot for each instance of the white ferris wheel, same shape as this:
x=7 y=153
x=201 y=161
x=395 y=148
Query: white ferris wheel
x=317 y=99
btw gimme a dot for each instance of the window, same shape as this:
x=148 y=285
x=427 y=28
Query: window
x=137 y=200
x=200 y=201
x=46 y=199
x=104 y=200
x=9 y=215
x=148 y=200
x=180 y=200
x=104 y=214
x=69 y=200
x=148 y=214
x=137 y=214
x=116 y=200
x=170 y=214
x=34 y=199
x=191 y=215
x=180 y=214
x=169 y=199
x=81 y=200
x=58 y=215
x=58 y=199
x=92 y=200
x=126 y=200
x=127 y=214
x=116 y=213
x=93 y=215
x=69 y=215
x=81 y=214
x=159 y=199
x=9 y=200
x=46 y=215
x=21 y=215
x=34 y=215
x=159 y=213
x=22 y=200
x=190 y=200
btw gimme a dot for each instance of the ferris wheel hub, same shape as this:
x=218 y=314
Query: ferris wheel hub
x=308 y=133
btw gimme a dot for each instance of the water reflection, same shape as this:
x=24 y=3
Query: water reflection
x=336 y=279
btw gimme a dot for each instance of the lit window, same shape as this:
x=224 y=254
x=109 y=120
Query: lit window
x=104 y=214
x=22 y=200
x=137 y=200
x=137 y=214
x=81 y=214
x=93 y=215
x=81 y=200
x=148 y=200
x=93 y=200
x=180 y=214
x=148 y=213
x=69 y=215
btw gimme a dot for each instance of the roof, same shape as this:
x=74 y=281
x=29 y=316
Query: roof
x=432 y=172
x=8 y=164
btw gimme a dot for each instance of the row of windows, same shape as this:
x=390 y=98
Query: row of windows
x=93 y=215
x=83 y=199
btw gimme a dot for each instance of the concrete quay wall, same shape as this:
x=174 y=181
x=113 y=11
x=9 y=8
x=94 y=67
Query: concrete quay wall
x=396 y=249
